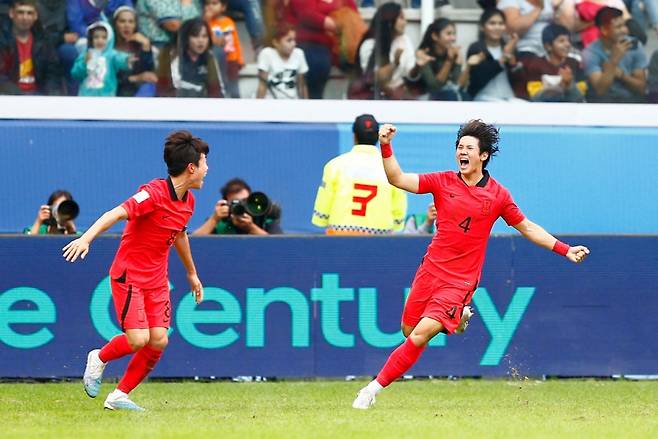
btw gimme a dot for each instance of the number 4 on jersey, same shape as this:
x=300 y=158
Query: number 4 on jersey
x=363 y=201
x=466 y=224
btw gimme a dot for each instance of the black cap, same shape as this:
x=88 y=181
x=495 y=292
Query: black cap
x=366 y=129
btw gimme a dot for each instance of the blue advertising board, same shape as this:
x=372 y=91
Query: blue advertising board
x=330 y=306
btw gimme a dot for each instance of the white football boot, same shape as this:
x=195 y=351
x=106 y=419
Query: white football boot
x=467 y=313
x=93 y=373
x=117 y=400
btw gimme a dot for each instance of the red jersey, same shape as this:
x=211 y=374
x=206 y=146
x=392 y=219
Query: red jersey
x=465 y=216
x=26 y=80
x=155 y=217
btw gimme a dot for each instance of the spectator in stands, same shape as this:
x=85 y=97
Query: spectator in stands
x=28 y=63
x=159 y=20
x=97 y=68
x=556 y=77
x=652 y=79
x=491 y=62
x=527 y=19
x=189 y=69
x=438 y=62
x=253 y=19
x=55 y=217
x=226 y=44
x=316 y=33
x=387 y=51
x=614 y=64
x=80 y=15
x=587 y=9
x=421 y=223
x=355 y=198
x=281 y=68
x=140 y=80
x=223 y=222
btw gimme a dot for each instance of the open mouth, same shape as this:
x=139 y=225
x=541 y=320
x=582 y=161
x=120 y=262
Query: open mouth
x=463 y=163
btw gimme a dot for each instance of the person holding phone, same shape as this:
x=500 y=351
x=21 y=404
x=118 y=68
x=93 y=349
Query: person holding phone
x=615 y=64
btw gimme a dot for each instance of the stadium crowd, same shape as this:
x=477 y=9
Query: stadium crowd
x=530 y=50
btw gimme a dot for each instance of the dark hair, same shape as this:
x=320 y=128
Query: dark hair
x=605 y=16
x=182 y=148
x=233 y=186
x=486 y=16
x=224 y=2
x=16 y=3
x=190 y=28
x=58 y=194
x=552 y=31
x=487 y=135
x=366 y=129
x=381 y=30
x=436 y=27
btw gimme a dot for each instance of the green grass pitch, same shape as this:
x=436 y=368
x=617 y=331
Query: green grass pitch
x=322 y=409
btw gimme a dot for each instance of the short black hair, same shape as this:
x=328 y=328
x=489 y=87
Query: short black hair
x=182 y=148
x=366 y=129
x=487 y=135
x=552 y=31
x=233 y=186
x=16 y=3
x=605 y=16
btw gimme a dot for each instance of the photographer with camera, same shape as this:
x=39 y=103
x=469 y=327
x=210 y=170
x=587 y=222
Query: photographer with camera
x=242 y=212
x=56 y=217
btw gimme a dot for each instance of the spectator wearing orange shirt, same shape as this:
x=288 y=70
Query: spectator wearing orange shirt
x=226 y=44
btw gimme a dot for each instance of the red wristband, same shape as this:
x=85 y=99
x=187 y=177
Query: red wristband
x=387 y=150
x=561 y=248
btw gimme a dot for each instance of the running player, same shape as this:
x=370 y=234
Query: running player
x=468 y=203
x=157 y=217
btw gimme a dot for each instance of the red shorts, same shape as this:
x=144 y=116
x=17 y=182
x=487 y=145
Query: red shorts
x=432 y=297
x=141 y=308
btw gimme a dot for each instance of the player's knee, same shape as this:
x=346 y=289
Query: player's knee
x=138 y=341
x=160 y=342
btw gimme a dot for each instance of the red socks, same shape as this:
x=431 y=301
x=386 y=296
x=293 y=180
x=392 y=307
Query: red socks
x=115 y=348
x=399 y=362
x=140 y=365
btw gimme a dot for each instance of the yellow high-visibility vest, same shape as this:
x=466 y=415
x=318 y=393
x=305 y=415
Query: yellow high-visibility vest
x=356 y=198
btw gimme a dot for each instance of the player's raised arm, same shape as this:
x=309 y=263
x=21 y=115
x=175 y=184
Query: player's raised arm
x=536 y=234
x=395 y=176
x=80 y=246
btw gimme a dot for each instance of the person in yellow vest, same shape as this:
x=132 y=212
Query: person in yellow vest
x=355 y=197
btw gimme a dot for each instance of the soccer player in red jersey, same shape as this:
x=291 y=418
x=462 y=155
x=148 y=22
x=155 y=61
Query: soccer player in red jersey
x=468 y=203
x=157 y=216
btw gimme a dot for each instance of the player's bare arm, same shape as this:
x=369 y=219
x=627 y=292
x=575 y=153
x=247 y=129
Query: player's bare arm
x=537 y=235
x=182 y=244
x=80 y=247
x=395 y=176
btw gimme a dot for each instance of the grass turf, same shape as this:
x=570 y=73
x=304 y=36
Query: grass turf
x=322 y=409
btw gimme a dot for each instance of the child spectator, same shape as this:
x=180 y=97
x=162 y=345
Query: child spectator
x=97 y=67
x=189 y=69
x=491 y=61
x=226 y=44
x=140 y=80
x=387 y=51
x=555 y=77
x=438 y=62
x=281 y=68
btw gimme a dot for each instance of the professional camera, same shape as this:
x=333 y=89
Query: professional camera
x=63 y=212
x=257 y=204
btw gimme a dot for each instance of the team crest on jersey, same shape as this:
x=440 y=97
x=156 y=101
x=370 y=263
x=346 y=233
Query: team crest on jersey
x=486 y=207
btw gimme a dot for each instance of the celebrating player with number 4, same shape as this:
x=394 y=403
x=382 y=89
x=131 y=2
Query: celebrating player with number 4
x=468 y=203
x=157 y=219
